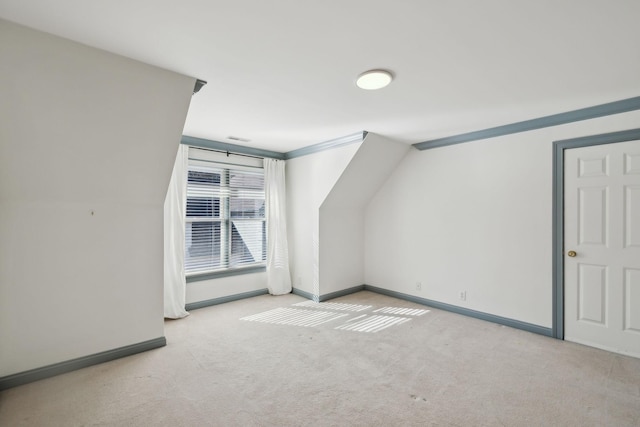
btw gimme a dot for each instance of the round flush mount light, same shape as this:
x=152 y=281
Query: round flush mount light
x=374 y=79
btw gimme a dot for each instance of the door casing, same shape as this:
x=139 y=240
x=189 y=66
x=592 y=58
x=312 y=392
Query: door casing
x=558 y=214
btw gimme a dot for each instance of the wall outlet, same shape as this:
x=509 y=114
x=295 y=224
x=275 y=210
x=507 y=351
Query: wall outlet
x=462 y=295
x=418 y=286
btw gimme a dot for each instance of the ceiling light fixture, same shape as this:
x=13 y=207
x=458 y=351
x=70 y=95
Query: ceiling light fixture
x=374 y=79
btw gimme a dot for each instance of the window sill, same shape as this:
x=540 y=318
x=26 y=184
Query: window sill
x=226 y=273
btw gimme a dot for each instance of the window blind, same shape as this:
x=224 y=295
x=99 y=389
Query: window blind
x=225 y=218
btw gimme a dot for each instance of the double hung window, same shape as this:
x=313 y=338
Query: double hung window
x=225 y=218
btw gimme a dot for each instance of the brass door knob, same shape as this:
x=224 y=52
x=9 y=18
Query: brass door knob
x=572 y=253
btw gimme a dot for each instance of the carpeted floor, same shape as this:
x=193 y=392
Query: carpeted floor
x=360 y=360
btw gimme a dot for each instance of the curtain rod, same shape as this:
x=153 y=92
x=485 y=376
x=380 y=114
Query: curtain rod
x=228 y=153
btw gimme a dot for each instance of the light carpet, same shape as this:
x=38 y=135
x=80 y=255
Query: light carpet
x=222 y=367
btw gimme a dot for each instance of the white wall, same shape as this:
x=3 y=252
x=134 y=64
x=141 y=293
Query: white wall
x=342 y=212
x=341 y=250
x=309 y=180
x=475 y=217
x=87 y=144
x=203 y=290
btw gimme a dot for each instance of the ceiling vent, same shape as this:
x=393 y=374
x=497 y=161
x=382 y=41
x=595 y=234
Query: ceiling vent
x=236 y=138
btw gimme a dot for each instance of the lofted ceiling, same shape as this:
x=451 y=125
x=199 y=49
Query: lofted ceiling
x=282 y=73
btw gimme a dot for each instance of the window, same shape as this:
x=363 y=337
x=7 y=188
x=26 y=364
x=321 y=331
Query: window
x=225 y=220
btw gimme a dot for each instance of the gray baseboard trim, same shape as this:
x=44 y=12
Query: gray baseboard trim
x=32 y=375
x=529 y=327
x=304 y=294
x=341 y=293
x=327 y=297
x=222 y=300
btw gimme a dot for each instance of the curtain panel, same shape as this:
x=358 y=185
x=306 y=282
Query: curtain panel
x=278 y=275
x=174 y=215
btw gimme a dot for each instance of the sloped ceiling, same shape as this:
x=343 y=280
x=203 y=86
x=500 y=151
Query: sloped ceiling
x=371 y=165
x=282 y=73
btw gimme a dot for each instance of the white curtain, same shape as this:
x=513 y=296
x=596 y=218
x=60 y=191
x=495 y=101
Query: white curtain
x=278 y=276
x=174 y=213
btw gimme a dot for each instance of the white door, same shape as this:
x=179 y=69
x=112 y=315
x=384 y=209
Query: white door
x=602 y=246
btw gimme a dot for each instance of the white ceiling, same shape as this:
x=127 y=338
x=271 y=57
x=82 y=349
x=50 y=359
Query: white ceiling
x=282 y=73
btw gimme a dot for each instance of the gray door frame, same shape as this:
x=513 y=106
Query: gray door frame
x=558 y=213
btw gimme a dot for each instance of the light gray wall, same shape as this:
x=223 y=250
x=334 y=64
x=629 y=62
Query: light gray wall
x=342 y=212
x=341 y=250
x=87 y=144
x=309 y=179
x=203 y=290
x=474 y=217
x=326 y=195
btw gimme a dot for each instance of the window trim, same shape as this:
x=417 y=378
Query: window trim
x=203 y=157
x=227 y=272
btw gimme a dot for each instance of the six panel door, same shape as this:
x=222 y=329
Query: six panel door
x=602 y=246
